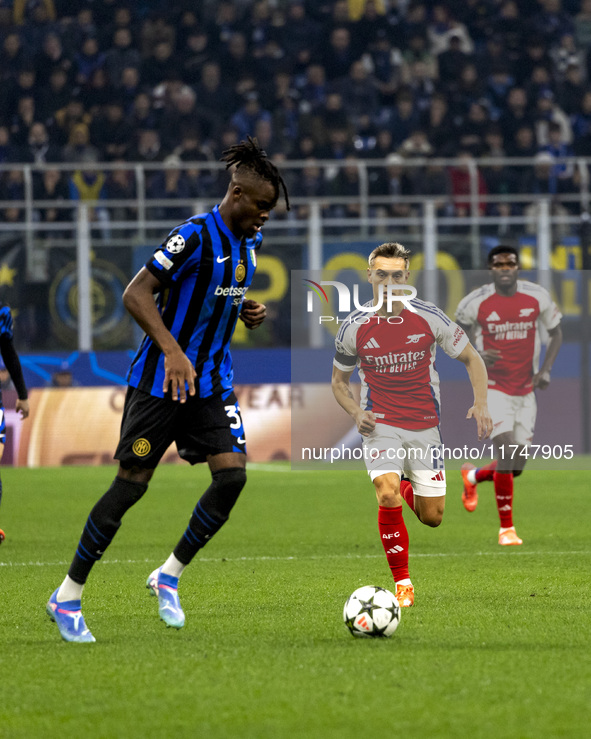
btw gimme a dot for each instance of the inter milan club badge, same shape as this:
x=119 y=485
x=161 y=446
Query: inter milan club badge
x=240 y=272
x=141 y=447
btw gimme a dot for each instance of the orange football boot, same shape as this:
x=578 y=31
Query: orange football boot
x=405 y=595
x=469 y=496
x=509 y=537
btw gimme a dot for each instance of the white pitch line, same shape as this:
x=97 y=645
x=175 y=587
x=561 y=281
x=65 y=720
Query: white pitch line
x=302 y=559
x=277 y=467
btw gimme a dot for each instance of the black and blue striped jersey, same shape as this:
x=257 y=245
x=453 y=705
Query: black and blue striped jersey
x=6 y=328
x=205 y=271
x=8 y=352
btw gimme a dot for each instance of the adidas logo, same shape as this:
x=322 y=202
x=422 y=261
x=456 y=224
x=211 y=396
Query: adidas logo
x=494 y=316
x=438 y=477
x=372 y=344
x=395 y=550
x=505 y=508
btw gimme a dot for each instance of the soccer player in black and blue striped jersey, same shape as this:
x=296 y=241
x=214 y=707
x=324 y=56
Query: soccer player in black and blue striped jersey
x=13 y=366
x=180 y=381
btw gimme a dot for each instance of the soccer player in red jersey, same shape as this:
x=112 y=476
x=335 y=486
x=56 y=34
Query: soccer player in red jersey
x=394 y=350
x=504 y=320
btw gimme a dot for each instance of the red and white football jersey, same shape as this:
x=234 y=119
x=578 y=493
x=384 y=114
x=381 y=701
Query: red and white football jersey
x=396 y=361
x=511 y=325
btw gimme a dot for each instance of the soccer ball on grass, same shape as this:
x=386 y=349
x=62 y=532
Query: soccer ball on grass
x=371 y=611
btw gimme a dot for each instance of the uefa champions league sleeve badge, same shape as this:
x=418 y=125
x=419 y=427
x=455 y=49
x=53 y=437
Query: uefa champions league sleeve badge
x=175 y=244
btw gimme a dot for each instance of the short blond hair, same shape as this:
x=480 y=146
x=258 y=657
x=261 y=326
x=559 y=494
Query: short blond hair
x=391 y=250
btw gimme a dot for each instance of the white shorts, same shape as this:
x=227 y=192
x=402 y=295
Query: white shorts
x=513 y=413
x=392 y=449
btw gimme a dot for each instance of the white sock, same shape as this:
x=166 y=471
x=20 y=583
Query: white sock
x=406 y=581
x=69 y=590
x=509 y=528
x=471 y=476
x=173 y=567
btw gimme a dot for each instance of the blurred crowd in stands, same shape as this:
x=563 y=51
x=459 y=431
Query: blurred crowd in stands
x=156 y=81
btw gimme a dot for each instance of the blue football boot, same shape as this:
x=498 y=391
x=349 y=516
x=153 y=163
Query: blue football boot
x=69 y=619
x=169 y=605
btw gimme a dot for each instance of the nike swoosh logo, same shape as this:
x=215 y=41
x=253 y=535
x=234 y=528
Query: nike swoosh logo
x=241 y=441
x=220 y=259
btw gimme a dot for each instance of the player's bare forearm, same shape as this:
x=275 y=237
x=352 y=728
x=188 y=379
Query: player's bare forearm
x=542 y=378
x=344 y=397
x=138 y=299
x=479 y=380
x=476 y=372
x=13 y=365
x=341 y=389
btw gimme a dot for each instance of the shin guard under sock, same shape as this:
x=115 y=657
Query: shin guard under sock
x=504 y=496
x=211 y=512
x=394 y=537
x=102 y=525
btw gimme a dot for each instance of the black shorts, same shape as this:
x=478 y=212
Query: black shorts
x=199 y=427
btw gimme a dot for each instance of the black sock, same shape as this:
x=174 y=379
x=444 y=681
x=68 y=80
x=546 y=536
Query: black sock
x=102 y=525
x=211 y=512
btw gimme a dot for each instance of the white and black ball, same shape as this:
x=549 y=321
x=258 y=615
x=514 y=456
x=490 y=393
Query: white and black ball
x=371 y=611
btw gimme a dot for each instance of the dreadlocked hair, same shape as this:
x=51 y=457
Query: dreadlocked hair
x=248 y=154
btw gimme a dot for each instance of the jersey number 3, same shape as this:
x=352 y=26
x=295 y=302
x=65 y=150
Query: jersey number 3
x=233 y=411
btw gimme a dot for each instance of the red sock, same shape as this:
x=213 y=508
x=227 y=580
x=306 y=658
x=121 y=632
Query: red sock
x=408 y=494
x=504 y=494
x=486 y=472
x=394 y=538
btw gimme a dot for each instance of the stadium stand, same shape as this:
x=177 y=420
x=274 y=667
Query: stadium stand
x=383 y=88
x=287 y=63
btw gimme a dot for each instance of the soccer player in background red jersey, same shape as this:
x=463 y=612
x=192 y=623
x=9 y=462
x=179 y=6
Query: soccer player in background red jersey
x=394 y=349
x=504 y=320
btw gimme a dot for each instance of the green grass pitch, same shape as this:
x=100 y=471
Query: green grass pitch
x=496 y=646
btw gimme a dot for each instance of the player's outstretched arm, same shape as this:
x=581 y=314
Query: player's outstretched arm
x=341 y=389
x=252 y=314
x=541 y=379
x=138 y=299
x=479 y=381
